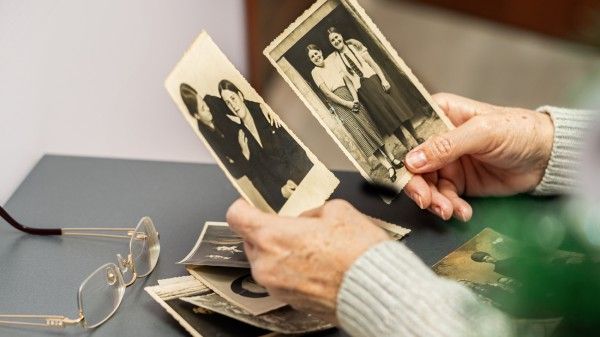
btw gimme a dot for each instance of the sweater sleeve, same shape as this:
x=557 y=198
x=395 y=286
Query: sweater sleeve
x=570 y=128
x=389 y=291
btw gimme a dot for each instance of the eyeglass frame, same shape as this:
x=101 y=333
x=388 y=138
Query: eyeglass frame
x=58 y=321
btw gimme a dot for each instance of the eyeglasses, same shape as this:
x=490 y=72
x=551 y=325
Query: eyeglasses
x=100 y=294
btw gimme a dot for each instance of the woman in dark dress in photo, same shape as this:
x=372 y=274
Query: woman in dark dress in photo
x=277 y=164
x=209 y=112
x=335 y=83
x=389 y=115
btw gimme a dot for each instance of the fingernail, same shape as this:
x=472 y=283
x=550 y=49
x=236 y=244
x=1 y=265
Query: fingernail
x=419 y=201
x=440 y=211
x=416 y=159
x=461 y=215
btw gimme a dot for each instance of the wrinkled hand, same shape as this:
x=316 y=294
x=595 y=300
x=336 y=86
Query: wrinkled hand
x=493 y=151
x=243 y=141
x=288 y=189
x=302 y=260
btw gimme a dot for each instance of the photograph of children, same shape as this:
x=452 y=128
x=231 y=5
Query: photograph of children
x=362 y=93
x=217 y=246
x=267 y=164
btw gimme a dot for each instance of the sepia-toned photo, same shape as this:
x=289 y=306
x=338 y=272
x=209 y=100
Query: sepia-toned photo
x=263 y=159
x=218 y=246
x=481 y=264
x=494 y=267
x=197 y=321
x=283 y=320
x=237 y=286
x=359 y=89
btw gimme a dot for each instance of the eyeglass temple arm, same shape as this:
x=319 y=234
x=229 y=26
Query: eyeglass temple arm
x=126 y=233
x=52 y=321
x=100 y=232
x=36 y=231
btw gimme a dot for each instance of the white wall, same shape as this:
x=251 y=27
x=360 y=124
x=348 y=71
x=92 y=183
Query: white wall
x=86 y=77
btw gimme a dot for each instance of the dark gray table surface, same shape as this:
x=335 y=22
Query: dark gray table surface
x=40 y=275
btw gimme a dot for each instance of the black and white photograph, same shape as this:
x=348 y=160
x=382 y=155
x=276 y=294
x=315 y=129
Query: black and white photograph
x=237 y=286
x=283 y=320
x=359 y=89
x=263 y=159
x=217 y=246
x=200 y=322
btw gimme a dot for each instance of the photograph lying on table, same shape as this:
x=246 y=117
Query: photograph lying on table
x=237 y=286
x=284 y=320
x=474 y=265
x=357 y=87
x=495 y=267
x=198 y=321
x=218 y=246
x=264 y=160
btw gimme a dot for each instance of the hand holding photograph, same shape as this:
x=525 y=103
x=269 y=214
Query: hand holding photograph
x=219 y=246
x=262 y=158
x=358 y=88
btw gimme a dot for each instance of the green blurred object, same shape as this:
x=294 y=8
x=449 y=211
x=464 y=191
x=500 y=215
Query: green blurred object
x=556 y=258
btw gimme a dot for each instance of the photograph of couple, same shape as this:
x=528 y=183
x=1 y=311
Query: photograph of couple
x=353 y=86
x=262 y=158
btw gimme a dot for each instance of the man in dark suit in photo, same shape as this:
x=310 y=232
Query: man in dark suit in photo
x=276 y=162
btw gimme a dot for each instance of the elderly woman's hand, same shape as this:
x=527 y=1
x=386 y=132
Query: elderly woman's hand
x=493 y=151
x=302 y=261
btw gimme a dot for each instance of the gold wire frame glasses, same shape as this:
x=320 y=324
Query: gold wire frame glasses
x=101 y=293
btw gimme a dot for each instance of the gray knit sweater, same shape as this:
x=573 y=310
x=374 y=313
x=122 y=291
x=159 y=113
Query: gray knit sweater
x=389 y=291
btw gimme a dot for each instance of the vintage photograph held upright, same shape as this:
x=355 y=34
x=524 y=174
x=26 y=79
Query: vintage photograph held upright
x=353 y=81
x=263 y=159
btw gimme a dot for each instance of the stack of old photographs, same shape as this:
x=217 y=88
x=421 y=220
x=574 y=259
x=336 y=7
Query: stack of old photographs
x=203 y=312
x=220 y=294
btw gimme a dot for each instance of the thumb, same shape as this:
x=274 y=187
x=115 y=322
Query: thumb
x=474 y=136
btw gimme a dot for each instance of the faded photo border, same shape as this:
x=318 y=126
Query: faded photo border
x=299 y=29
x=202 y=66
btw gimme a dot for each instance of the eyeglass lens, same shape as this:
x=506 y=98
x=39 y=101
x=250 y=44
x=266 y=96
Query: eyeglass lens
x=144 y=247
x=100 y=294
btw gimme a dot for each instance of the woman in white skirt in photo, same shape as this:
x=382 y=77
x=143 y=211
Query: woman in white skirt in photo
x=335 y=83
x=391 y=117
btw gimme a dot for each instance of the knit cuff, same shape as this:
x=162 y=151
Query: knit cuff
x=570 y=127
